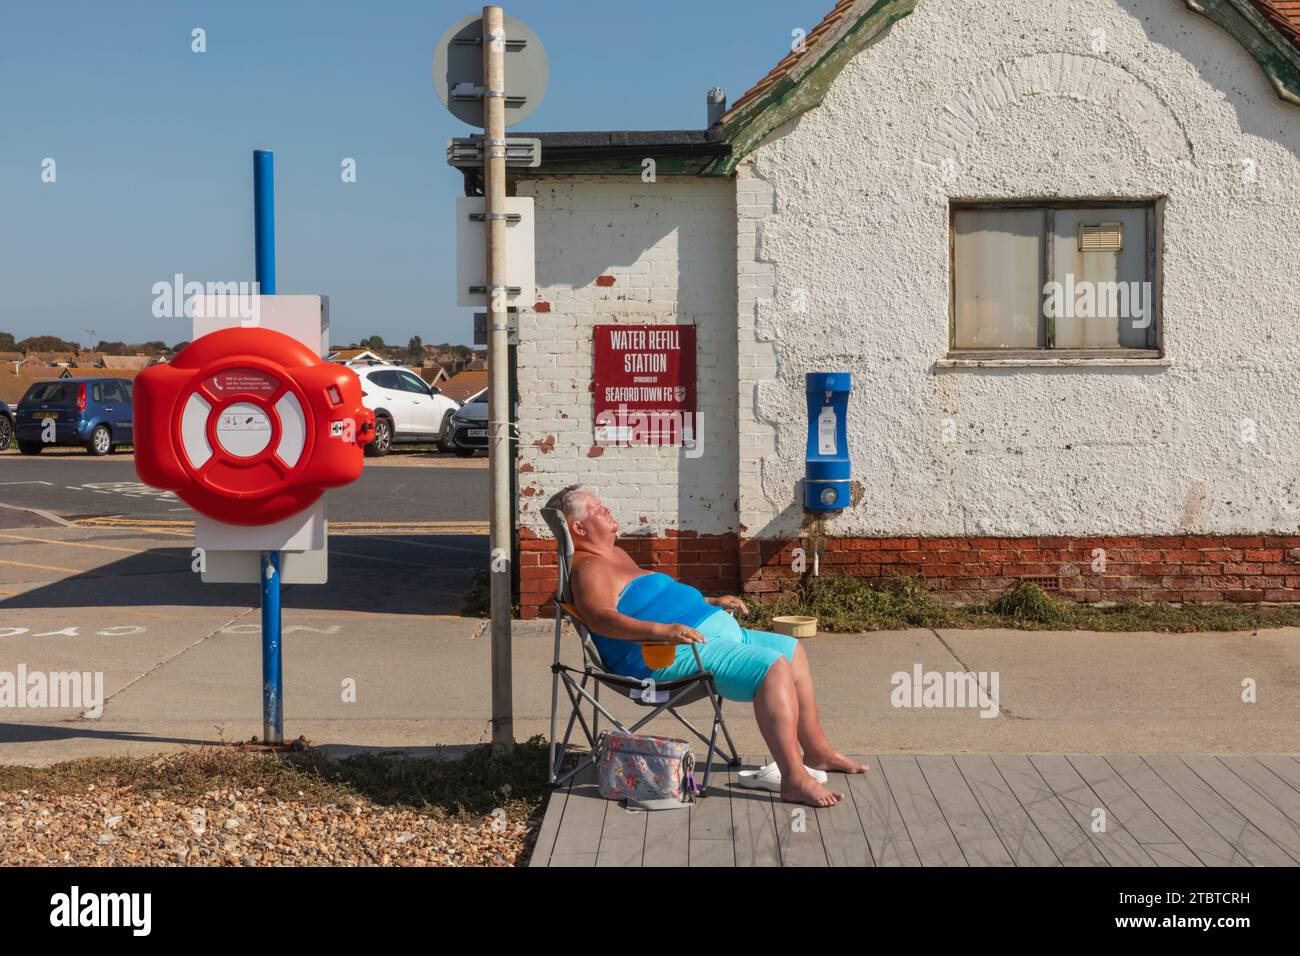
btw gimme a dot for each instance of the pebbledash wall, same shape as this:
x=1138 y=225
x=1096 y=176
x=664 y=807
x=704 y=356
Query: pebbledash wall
x=829 y=250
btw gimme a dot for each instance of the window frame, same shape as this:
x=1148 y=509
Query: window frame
x=1050 y=354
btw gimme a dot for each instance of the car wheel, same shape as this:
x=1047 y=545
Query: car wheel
x=6 y=432
x=443 y=443
x=464 y=452
x=30 y=447
x=100 y=442
x=382 y=443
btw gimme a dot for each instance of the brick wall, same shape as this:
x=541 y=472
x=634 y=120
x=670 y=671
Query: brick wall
x=1166 y=568
x=617 y=250
x=708 y=561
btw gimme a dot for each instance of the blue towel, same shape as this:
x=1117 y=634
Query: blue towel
x=651 y=597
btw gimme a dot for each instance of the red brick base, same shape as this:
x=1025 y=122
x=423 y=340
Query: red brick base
x=1170 y=568
x=708 y=561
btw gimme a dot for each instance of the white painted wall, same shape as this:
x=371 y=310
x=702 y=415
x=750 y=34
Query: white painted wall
x=851 y=203
x=670 y=246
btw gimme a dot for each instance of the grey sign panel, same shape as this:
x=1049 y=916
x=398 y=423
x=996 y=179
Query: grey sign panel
x=468 y=151
x=458 y=70
x=481 y=328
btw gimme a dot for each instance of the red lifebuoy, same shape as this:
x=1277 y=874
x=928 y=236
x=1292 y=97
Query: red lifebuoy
x=249 y=426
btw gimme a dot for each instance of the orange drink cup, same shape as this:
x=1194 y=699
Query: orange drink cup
x=658 y=655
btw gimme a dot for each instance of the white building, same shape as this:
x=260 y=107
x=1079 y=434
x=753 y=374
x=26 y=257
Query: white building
x=896 y=200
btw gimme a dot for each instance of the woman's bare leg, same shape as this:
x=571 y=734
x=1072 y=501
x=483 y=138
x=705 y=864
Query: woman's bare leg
x=776 y=708
x=818 y=752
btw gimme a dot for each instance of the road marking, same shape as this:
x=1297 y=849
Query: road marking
x=43 y=567
x=335 y=527
x=47 y=515
x=371 y=557
x=26 y=482
x=117 y=521
x=72 y=544
x=464 y=523
x=401 y=539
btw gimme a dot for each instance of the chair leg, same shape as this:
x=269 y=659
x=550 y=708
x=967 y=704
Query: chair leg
x=553 y=764
x=575 y=715
x=555 y=703
x=595 y=714
x=719 y=721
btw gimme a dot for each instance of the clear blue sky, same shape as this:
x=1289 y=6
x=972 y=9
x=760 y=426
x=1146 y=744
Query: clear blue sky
x=153 y=143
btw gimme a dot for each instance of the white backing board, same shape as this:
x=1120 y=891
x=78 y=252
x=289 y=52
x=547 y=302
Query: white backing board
x=471 y=252
x=232 y=553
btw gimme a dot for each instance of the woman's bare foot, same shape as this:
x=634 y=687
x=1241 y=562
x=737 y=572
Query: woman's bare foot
x=804 y=789
x=834 y=761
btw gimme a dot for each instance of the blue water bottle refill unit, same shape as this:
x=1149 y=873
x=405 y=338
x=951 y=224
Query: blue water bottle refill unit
x=826 y=474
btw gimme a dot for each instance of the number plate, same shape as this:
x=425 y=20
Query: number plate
x=44 y=415
x=478 y=433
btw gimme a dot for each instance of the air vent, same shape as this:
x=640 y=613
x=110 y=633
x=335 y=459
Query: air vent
x=1101 y=237
x=1048 y=582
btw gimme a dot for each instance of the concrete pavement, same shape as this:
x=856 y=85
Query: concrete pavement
x=380 y=659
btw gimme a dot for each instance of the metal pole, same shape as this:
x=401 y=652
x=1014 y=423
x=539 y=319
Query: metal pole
x=272 y=679
x=494 y=191
x=264 y=244
x=264 y=219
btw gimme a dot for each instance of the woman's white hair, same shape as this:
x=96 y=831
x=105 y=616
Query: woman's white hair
x=572 y=501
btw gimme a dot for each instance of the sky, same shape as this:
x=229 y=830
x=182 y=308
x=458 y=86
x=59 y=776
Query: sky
x=152 y=143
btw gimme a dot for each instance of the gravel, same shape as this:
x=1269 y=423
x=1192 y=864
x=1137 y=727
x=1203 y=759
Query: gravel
x=121 y=827
x=66 y=820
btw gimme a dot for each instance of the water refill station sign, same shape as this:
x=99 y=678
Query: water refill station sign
x=249 y=425
x=644 y=384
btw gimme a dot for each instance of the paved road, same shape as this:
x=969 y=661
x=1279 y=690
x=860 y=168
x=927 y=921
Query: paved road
x=437 y=488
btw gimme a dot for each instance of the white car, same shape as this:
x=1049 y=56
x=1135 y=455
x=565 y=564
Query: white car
x=407 y=409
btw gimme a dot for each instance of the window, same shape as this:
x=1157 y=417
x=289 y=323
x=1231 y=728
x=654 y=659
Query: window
x=97 y=393
x=413 y=383
x=1053 y=277
x=114 y=392
x=385 y=379
x=48 y=392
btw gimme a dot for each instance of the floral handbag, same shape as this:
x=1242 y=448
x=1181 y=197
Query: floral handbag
x=645 y=773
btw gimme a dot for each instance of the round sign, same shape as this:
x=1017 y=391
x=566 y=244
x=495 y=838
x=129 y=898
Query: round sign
x=458 y=70
x=243 y=429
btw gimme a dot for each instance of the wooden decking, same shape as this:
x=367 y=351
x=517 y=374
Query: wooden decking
x=963 y=810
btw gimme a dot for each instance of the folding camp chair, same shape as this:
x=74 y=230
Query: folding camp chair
x=668 y=696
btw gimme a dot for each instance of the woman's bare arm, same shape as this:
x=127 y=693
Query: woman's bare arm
x=595 y=593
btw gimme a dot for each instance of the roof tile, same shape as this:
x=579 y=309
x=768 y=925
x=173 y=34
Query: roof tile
x=1283 y=14
x=811 y=41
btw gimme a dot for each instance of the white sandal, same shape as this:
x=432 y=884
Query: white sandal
x=768 y=777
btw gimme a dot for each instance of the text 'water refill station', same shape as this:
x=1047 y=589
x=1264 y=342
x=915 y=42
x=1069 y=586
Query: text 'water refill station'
x=826 y=473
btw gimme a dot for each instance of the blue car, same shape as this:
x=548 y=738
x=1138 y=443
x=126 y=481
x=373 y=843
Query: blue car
x=6 y=425
x=92 y=412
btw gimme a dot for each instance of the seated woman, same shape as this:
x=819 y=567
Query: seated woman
x=625 y=606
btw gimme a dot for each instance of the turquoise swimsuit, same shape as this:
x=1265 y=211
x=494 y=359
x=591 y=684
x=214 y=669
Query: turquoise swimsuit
x=738 y=657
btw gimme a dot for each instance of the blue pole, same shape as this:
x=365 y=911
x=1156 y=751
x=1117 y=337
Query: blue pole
x=264 y=218
x=272 y=679
x=264 y=244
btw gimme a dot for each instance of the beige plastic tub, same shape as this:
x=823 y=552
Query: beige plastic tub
x=795 y=625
